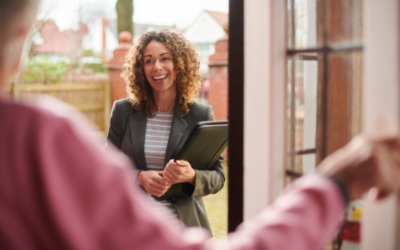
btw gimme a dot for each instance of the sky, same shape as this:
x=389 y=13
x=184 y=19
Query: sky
x=67 y=13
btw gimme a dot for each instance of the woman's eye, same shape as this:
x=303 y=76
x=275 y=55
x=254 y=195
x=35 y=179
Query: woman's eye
x=165 y=59
x=149 y=61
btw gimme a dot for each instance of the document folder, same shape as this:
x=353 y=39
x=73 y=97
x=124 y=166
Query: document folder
x=202 y=149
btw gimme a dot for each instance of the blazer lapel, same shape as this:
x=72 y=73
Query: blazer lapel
x=177 y=130
x=137 y=126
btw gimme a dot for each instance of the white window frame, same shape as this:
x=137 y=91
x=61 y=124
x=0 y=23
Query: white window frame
x=381 y=107
x=264 y=106
x=264 y=103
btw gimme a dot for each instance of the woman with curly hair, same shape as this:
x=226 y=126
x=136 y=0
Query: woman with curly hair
x=152 y=124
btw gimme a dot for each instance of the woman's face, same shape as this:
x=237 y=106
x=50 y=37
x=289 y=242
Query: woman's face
x=159 y=68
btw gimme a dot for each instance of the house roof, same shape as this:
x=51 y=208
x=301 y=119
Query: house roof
x=207 y=28
x=221 y=17
x=75 y=37
x=57 y=42
x=141 y=28
x=54 y=41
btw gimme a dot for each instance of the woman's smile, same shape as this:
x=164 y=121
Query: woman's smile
x=160 y=79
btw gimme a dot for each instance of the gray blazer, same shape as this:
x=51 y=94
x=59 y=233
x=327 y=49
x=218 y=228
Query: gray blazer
x=127 y=132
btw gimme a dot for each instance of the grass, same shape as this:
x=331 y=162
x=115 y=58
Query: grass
x=217 y=211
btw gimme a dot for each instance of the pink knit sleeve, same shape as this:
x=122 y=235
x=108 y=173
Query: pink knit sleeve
x=304 y=218
x=93 y=203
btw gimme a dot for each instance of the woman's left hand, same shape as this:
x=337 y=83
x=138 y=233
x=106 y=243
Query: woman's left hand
x=179 y=172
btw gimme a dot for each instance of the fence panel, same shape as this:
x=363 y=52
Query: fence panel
x=92 y=99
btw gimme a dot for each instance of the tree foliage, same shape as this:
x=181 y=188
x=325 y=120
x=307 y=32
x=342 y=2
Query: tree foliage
x=43 y=70
x=125 y=14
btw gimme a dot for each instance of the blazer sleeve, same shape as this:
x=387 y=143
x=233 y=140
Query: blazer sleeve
x=207 y=181
x=115 y=132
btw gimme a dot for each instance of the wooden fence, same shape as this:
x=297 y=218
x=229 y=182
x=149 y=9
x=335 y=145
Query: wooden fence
x=92 y=99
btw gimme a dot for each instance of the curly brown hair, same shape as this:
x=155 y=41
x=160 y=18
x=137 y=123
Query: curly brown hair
x=186 y=66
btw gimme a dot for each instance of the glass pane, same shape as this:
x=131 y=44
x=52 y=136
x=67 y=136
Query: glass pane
x=344 y=98
x=305 y=164
x=345 y=21
x=289 y=23
x=302 y=99
x=309 y=163
x=289 y=136
x=306 y=100
x=298 y=167
x=304 y=20
x=289 y=182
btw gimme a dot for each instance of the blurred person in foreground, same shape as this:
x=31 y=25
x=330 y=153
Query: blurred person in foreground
x=60 y=190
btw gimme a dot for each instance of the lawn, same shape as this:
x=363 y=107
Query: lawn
x=217 y=211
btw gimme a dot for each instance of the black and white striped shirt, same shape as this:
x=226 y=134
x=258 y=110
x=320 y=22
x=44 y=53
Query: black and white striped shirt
x=157 y=135
x=155 y=146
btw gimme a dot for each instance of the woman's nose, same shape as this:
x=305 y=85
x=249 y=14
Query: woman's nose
x=157 y=65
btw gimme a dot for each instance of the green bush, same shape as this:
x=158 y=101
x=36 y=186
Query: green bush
x=96 y=67
x=88 y=52
x=42 y=70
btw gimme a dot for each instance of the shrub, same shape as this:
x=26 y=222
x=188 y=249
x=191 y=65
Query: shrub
x=41 y=69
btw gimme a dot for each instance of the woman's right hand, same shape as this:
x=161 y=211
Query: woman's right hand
x=153 y=182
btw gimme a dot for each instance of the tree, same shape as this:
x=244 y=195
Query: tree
x=125 y=14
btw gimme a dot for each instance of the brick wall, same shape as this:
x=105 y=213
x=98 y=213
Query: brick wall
x=218 y=92
x=118 y=86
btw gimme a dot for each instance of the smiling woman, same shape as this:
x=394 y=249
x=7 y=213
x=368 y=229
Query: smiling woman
x=173 y=53
x=151 y=126
x=160 y=73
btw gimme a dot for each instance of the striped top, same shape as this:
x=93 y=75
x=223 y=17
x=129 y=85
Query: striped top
x=157 y=135
x=155 y=146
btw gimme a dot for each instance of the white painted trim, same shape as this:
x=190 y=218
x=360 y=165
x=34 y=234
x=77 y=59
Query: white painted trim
x=381 y=109
x=264 y=103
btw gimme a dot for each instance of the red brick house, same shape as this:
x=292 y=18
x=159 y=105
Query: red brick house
x=58 y=42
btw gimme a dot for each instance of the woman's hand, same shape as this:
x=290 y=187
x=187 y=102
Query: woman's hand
x=179 y=172
x=367 y=162
x=153 y=182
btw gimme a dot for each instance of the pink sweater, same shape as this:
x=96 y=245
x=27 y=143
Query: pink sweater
x=60 y=190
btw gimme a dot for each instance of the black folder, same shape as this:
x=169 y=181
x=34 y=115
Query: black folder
x=202 y=149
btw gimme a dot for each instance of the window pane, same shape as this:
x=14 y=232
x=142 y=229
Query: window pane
x=302 y=111
x=204 y=51
x=305 y=164
x=305 y=22
x=344 y=100
x=289 y=123
x=309 y=163
x=308 y=97
x=345 y=21
x=289 y=180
